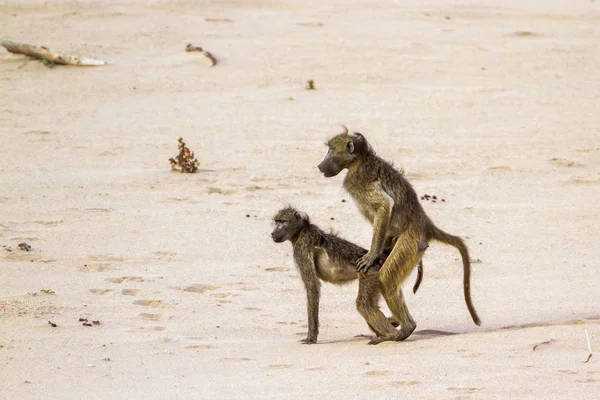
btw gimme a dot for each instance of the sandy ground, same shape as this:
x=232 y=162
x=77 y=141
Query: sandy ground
x=492 y=105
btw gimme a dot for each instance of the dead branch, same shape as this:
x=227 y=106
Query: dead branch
x=544 y=342
x=46 y=53
x=207 y=54
x=589 y=346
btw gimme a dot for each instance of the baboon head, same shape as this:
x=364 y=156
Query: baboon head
x=343 y=151
x=288 y=224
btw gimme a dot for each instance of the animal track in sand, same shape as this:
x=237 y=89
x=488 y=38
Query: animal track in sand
x=94 y=267
x=567 y=371
x=151 y=317
x=49 y=223
x=500 y=168
x=107 y=258
x=200 y=346
x=472 y=355
x=585 y=180
x=563 y=162
x=406 y=383
x=151 y=303
x=128 y=279
x=195 y=288
x=223 y=295
x=276 y=269
x=36 y=132
x=100 y=291
x=379 y=373
x=177 y=200
x=149 y=328
x=253 y=309
x=463 y=390
x=280 y=366
x=165 y=255
x=95 y=209
x=131 y=292
x=226 y=192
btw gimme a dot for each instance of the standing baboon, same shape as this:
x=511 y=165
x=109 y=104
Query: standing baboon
x=319 y=255
x=389 y=202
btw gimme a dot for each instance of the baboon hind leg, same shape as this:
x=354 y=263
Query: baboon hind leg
x=400 y=313
x=404 y=257
x=367 y=303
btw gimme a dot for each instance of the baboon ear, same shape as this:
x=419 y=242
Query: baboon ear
x=301 y=215
x=350 y=147
x=358 y=143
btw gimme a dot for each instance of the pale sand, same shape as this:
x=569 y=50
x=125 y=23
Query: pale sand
x=503 y=126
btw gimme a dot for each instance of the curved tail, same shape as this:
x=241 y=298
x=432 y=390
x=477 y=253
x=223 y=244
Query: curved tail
x=455 y=241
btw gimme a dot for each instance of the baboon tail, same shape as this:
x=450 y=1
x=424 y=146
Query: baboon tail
x=455 y=241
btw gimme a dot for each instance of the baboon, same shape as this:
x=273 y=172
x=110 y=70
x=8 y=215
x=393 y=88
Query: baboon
x=389 y=202
x=319 y=255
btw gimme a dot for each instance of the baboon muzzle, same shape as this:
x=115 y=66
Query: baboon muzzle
x=326 y=169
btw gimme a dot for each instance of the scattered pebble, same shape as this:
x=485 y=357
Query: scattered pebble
x=52 y=324
x=87 y=324
x=82 y=320
x=332 y=219
x=24 y=246
x=247 y=215
x=96 y=322
x=433 y=198
x=343 y=200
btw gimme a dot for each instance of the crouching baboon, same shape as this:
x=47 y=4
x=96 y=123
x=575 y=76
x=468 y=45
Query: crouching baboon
x=327 y=257
x=389 y=202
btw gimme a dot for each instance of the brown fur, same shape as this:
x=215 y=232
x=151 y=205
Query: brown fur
x=321 y=256
x=387 y=200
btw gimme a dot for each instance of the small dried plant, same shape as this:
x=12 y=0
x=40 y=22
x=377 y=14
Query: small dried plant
x=185 y=160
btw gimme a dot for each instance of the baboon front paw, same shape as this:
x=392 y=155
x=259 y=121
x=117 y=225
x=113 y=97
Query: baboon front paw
x=364 y=263
x=376 y=341
x=309 y=341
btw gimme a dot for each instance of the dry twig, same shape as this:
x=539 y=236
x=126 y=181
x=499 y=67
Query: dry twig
x=589 y=346
x=207 y=54
x=49 y=56
x=544 y=342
